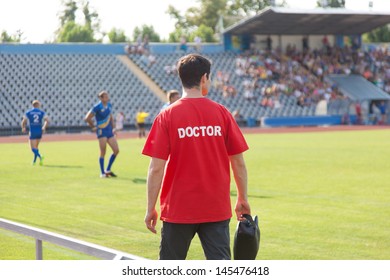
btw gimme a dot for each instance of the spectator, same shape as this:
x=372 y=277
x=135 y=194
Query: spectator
x=151 y=59
x=145 y=43
x=248 y=94
x=170 y=69
x=183 y=44
x=139 y=45
x=264 y=102
x=301 y=101
x=130 y=49
x=198 y=43
x=383 y=111
x=277 y=104
x=359 y=115
x=119 y=120
x=269 y=43
x=229 y=91
x=238 y=117
x=305 y=44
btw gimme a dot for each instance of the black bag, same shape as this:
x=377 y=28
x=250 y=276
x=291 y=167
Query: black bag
x=247 y=239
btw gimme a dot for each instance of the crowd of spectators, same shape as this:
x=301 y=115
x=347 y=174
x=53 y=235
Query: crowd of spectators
x=267 y=74
x=373 y=64
x=141 y=47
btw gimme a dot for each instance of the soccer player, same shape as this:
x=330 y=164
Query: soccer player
x=172 y=95
x=105 y=131
x=38 y=122
x=192 y=144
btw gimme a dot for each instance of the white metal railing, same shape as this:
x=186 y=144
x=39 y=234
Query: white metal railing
x=67 y=242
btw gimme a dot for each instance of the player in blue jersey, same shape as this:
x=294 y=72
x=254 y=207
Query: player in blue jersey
x=173 y=95
x=38 y=122
x=105 y=131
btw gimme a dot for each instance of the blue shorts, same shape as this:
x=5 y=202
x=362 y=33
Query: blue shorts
x=104 y=132
x=35 y=135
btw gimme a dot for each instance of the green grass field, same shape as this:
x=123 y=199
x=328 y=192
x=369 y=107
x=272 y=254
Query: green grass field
x=323 y=195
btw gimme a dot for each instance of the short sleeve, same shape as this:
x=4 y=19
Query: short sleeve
x=94 y=109
x=157 y=144
x=235 y=141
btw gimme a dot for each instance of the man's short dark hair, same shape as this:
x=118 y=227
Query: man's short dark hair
x=191 y=68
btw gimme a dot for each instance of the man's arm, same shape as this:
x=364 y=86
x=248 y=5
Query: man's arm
x=88 y=119
x=113 y=125
x=23 y=124
x=45 y=124
x=155 y=176
x=241 y=179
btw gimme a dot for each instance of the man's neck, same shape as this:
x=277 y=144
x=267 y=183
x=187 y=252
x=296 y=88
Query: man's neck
x=191 y=93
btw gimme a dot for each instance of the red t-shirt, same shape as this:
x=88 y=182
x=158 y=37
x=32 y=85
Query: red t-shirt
x=196 y=136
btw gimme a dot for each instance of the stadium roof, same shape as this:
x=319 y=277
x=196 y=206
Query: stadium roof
x=320 y=21
x=357 y=88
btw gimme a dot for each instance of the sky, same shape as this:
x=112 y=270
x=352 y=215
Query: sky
x=39 y=19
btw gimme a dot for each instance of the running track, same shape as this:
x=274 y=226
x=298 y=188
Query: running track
x=133 y=134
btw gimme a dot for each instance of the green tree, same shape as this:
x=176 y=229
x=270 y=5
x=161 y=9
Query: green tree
x=91 y=18
x=331 y=3
x=208 y=14
x=117 y=36
x=6 y=38
x=69 y=13
x=204 y=32
x=194 y=18
x=181 y=22
x=239 y=9
x=72 y=32
x=381 y=34
x=177 y=34
x=246 y=8
x=146 y=30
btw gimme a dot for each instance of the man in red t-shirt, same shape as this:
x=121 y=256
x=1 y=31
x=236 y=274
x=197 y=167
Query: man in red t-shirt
x=192 y=144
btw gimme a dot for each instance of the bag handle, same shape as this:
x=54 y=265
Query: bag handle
x=249 y=219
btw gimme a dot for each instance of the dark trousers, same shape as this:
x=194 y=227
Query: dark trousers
x=214 y=237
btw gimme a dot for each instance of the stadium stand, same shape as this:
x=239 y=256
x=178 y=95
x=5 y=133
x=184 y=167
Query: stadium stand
x=254 y=83
x=67 y=85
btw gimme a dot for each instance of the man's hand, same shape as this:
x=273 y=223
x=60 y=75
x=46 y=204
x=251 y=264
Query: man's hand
x=242 y=207
x=151 y=220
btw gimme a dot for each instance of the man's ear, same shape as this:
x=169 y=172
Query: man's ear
x=204 y=78
x=203 y=82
